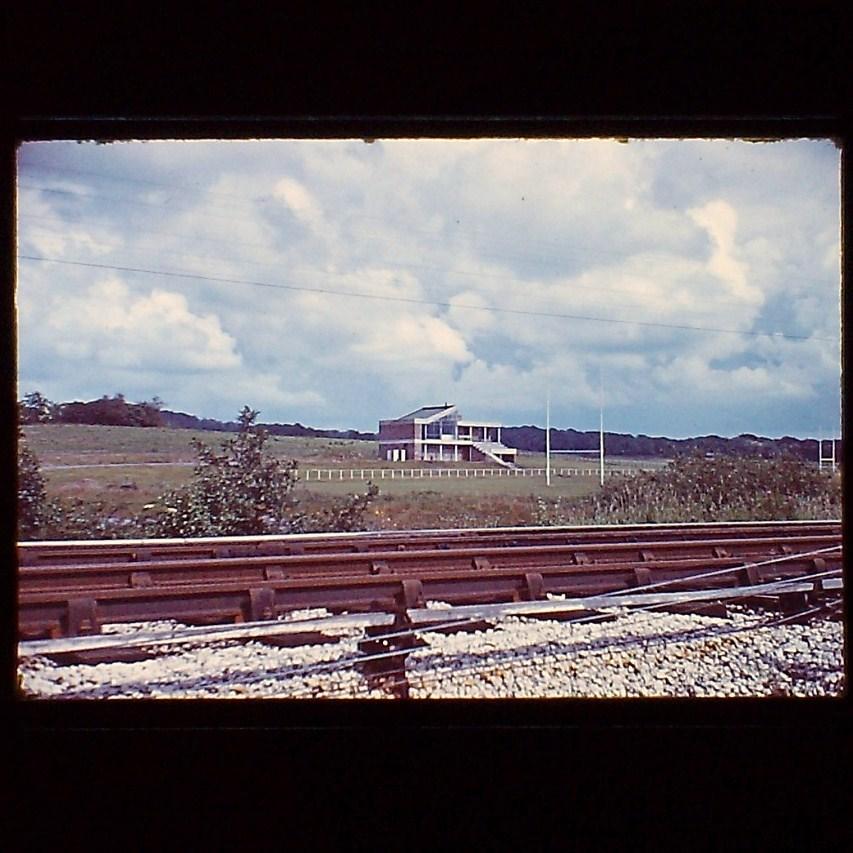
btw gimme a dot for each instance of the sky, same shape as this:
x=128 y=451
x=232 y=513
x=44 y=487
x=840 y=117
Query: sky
x=692 y=285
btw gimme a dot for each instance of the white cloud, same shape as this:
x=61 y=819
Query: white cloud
x=116 y=328
x=720 y=220
x=419 y=343
x=298 y=199
x=469 y=313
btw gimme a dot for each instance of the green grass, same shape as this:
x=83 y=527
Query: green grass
x=586 y=461
x=462 y=486
x=402 y=503
x=124 y=489
x=74 y=444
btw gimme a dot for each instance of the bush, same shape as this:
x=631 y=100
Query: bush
x=343 y=515
x=78 y=519
x=244 y=491
x=698 y=489
x=237 y=492
x=33 y=506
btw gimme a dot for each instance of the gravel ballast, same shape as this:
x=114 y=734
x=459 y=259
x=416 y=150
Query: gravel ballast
x=635 y=655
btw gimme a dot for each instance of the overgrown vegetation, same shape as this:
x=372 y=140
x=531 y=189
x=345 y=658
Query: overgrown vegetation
x=32 y=499
x=699 y=489
x=242 y=490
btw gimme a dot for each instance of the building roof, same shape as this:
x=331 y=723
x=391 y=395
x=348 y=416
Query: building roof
x=428 y=412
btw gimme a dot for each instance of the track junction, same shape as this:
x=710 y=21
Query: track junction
x=385 y=586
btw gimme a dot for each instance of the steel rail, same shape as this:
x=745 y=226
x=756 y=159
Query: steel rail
x=57 y=553
x=72 y=612
x=477 y=614
x=262 y=569
x=423 y=620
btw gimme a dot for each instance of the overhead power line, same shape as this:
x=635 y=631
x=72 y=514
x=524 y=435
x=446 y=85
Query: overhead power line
x=380 y=262
x=249 y=203
x=412 y=300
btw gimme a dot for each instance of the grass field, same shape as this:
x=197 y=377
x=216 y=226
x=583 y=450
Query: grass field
x=127 y=467
x=76 y=444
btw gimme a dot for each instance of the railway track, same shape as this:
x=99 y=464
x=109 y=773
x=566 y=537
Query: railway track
x=139 y=550
x=70 y=589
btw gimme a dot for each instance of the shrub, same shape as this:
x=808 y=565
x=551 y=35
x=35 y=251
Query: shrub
x=239 y=491
x=245 y=491
x=33 y=506
x=342 y=515
x=78 y=519
x=698 y=489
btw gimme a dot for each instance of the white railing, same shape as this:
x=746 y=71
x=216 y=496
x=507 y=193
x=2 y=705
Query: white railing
x=338 y=474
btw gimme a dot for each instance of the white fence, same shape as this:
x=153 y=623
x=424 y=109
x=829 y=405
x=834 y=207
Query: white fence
x=332 y=474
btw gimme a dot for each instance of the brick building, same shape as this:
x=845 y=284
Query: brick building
x=437 y=433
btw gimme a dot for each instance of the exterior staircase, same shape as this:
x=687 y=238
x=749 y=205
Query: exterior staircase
x=490 y=448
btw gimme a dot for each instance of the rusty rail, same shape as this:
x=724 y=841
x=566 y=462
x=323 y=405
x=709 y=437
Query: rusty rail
x=147 y=550
x=77 y=599
x=262 y=569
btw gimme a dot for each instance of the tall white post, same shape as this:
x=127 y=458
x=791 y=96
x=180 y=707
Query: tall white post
x=548 y=439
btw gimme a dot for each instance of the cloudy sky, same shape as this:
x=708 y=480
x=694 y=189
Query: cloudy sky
x=337 y=282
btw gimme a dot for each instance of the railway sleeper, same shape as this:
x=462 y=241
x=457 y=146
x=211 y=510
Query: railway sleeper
x=573 y=615
x=93 y=657
x=712 y=608
x=220 y=616
x=463 y=598
x=464 y=626
x=303 y=638
x=49 y=630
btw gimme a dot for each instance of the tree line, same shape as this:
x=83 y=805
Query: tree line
x=532 y=439
x=35 y=408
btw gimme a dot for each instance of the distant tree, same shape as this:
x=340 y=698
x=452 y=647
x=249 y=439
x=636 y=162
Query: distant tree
x=35 y=408
x=147 y=413
x=112 y=411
